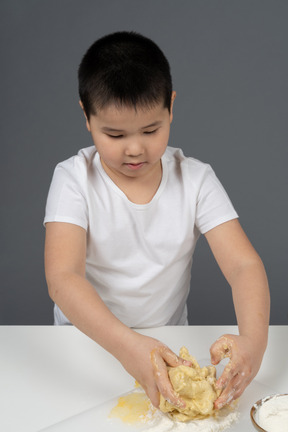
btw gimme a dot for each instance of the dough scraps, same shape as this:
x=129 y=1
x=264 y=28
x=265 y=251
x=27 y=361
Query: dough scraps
x=197 y=388
x=133 y=408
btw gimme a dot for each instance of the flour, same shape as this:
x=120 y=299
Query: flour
x=273 y=414
x=224 y=419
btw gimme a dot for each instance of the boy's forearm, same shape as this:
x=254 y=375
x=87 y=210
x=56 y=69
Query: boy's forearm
x=252 y=302
x=84 y=308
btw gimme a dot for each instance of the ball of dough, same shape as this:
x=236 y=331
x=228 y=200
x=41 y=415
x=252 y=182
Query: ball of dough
x=197 y=388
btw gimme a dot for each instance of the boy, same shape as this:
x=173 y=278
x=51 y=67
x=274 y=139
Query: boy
x=122 y=221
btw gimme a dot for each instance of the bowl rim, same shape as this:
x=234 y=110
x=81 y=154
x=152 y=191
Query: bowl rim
x=258 y=404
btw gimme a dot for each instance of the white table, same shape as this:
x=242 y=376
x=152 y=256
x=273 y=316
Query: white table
x=50 y=373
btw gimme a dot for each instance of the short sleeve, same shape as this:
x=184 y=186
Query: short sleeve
x=213 y=204
x=66 y=200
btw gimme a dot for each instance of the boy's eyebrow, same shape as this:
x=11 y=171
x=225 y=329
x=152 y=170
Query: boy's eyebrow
x=156 y=123
x=109 y=129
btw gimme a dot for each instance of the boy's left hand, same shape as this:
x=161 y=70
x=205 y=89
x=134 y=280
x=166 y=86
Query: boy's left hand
x=245 y=360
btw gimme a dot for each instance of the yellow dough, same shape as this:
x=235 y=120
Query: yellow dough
x=197 y=388
x=133 y=408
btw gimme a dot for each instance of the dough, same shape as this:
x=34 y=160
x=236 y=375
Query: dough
x=197 y=388
x=133 y=408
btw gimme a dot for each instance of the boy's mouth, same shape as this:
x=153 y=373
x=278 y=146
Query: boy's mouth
x=135 y=166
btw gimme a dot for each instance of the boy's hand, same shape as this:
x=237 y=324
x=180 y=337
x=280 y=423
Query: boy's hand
x=147 y=361
x=245 y=360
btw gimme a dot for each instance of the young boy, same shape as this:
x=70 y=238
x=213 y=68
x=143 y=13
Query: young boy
x=123 y=218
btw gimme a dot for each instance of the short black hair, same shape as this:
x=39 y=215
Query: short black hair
x=126 y=69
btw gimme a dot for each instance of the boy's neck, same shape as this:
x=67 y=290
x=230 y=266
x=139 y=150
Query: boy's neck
x=139 y=190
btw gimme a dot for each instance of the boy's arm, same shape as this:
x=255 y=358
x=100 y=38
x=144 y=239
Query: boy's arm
x=244 y=271
x=143 y=357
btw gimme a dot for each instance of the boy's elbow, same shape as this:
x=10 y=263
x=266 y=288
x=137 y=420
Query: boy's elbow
x=54 y=284
x=58 y=282
x=52 y=289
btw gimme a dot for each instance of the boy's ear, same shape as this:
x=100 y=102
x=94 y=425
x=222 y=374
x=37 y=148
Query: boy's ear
x=87 y=121
x=173 y=96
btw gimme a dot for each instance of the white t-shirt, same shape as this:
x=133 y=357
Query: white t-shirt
x=139 y=256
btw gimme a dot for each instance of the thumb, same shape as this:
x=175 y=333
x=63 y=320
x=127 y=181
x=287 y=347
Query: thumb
x=219 y=350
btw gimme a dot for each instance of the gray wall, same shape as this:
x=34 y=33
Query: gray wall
x=229 y=63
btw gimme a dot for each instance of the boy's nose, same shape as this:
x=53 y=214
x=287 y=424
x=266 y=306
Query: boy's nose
x=134 y=148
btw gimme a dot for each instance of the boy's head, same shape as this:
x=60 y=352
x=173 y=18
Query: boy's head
x=124 y=69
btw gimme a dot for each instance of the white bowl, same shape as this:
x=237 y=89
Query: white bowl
x=255 y=409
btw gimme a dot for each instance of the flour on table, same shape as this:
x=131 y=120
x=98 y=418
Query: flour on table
x=225 y=418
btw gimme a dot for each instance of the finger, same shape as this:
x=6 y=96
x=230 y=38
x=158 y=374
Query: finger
x=230 y=393
x=226 y=398
x=233 y=390
x=239 y=384
x=162 y=380
x=172 y=359
x=153 y=394
x=230 y=371
x=220 y=349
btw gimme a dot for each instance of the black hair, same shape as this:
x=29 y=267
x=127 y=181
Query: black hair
x=126 y=69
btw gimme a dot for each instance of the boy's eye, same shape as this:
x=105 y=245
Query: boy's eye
x=115 y=136
x=150 y=132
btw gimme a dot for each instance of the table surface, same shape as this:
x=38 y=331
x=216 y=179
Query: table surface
x=48 y=373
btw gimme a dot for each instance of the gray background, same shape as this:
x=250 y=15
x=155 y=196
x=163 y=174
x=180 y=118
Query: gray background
x=229 y=66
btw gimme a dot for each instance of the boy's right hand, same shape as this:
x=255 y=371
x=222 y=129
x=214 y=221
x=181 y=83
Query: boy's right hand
x=146 y=359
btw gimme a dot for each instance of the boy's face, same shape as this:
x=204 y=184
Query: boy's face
x=131 y=143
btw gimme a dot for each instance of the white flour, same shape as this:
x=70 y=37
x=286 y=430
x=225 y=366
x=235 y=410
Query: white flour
x=225 y=418
x=273 y=414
